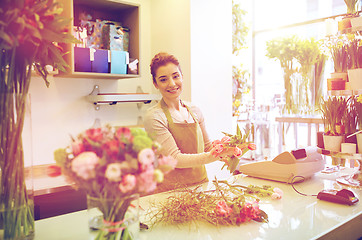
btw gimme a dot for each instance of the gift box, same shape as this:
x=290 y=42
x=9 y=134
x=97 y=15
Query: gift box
x=119 y=37
x=97 y=34
x=82 y=61
x=119 y=61
x=100 y=61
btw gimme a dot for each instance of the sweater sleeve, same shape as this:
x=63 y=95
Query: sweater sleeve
x=156 y=125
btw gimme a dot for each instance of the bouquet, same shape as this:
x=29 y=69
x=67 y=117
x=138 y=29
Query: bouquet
x=227 y=205
x=111 y=164
x=237 y=145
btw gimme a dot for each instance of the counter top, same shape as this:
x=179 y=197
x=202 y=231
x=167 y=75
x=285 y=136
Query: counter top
x=293 y=217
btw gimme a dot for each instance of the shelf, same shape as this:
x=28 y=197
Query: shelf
x=113 y=98
x=96 y=75
x=343 y=92
x=121 y=11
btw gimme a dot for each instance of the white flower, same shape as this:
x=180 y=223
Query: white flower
x=114 y=172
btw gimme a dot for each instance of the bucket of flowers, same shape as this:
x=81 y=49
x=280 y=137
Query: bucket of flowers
x=114 y=165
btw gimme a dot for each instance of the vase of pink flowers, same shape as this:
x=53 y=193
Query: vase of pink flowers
x=114 y=165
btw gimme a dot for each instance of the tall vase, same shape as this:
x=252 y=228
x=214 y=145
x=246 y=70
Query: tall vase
x=114 y=219
x=16 y=190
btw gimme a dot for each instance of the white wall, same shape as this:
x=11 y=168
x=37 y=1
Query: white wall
x=200 y=39
x=170 y=26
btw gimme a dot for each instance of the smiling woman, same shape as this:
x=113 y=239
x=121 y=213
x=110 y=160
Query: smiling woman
x=178 y=126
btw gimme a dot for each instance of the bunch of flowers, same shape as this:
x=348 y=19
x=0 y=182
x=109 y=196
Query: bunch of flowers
x=30 y=34
x=231 y=148
x=228 y=204
x=112 y=164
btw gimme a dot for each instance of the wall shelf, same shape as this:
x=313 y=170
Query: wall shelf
x=98 y=98
x=120 y=11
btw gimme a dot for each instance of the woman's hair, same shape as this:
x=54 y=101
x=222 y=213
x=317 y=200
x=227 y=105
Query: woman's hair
x=162 y=59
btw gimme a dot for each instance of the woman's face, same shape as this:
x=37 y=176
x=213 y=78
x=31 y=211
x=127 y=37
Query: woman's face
x=169 y=81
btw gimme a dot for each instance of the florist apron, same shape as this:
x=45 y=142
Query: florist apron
x=189 y=139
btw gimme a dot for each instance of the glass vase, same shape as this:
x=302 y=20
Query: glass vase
x=16 y=188
x=114 y=219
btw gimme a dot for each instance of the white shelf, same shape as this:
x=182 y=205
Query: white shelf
x=98 y=98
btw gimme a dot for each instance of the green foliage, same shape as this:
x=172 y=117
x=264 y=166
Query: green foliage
x=352 y=6
x=333 y=110
x=240 y=28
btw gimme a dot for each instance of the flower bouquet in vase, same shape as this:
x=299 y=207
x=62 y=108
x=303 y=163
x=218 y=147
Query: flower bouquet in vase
x=29 y=36
x=114 y=165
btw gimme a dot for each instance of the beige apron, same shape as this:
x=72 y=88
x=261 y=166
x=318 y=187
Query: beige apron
x=189 y=139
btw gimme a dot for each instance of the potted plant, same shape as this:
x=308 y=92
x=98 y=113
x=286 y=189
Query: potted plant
x=337 y=47
x=357 y=105
x=333 y=110
x=352 y=11
x=354 y=49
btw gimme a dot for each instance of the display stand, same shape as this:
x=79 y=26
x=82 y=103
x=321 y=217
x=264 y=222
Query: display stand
x=353 y=180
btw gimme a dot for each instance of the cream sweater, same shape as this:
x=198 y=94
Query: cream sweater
x=156 y=125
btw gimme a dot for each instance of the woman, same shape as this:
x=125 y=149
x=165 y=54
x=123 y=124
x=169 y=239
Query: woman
x=178 y=126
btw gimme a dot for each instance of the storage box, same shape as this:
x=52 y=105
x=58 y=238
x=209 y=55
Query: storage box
x=82 y=61
x=119 y=61
x=100 y=61
x=119 y=37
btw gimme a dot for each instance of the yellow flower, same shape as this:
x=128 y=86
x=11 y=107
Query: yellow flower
x=359 y=99
x=237 y=103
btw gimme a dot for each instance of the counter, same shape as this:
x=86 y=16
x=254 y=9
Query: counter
x=293 y=217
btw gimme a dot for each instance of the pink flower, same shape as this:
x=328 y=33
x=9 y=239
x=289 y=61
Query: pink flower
x=223 y=209
x=124 y=133
x=217 y=149
x=279 y=191
x=167 y=161
x=225 y=139
x=84 y=165
x=128 y=183
x=278 y=194
x=238 y=152
x=250 y=211
x=114 y=172
x=275 y=196
x=252 y=146
x=77 y=147
x=146 y=181
x=146 y=157
x=216 y=142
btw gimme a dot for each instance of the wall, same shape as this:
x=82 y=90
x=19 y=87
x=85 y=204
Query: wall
x=201 y=42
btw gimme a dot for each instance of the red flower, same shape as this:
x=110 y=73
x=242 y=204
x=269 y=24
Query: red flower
x=124 y=133
x=249 y=212
x=53 y=171
x=111 y=147
x=252 y=146
x=94 y=134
